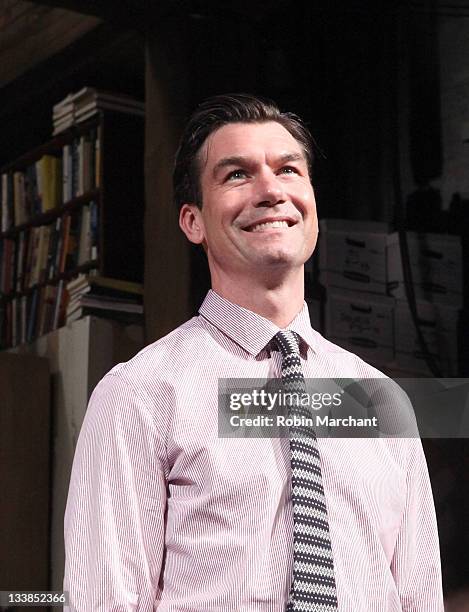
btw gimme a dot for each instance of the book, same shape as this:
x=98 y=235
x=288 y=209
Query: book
x=62 y=111
x=65 y=104
x=65 y=234
x=72 y=241
x=81 y=159
x=28 y=257
x=20 y=260
x=44 y=252
x=6 y=218
x=123 y=286
x=57 y=257
x=49 y=294
x=97 y=158
x=94 y=231
x=74 y=165
x=93 y=108
x=88 y=162
x=58 y=312
x=19 y=198
x=2 y=259
x=7 y=258
x=14 y=323
x=53 y=247
x=30 y=188
x=37 y=254
x=49 y=174
x=32 y=313
x=23 y=317
x=84 y=249
x=102 y=302
x=63 y=125
x=127 y=318
x=104 y=296
x=66 y=173
x=2 y=266
x=55 y=187
x=81 y=105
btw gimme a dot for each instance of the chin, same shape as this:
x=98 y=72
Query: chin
x=279 y=260
x=287 y=255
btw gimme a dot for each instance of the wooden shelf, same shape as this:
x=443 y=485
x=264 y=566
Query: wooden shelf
x=54 y=145
x=86 y=267
x=46 y=217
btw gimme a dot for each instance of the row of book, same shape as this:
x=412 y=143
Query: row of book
x=51 y=181
x=27 y=317
x=81 y=160
x=40 y=254
x=44 y=309
x=87 y=102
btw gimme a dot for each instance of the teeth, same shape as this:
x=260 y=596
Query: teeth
x=262 y=226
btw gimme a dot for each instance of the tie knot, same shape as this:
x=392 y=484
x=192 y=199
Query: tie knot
x=288 y=342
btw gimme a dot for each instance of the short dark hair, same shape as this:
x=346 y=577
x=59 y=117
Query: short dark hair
x=211 y=115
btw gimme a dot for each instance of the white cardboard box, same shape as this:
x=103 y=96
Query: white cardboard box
x=439 y=325
x=352 y=255
x=362 y=323
x=436 y=265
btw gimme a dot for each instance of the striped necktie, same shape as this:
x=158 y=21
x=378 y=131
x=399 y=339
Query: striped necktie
x=313 y=585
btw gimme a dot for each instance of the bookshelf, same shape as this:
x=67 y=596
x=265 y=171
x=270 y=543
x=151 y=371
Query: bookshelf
x=73 y=205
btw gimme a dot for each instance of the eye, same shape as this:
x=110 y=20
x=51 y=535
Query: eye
x=236 y=174
x=288 y=170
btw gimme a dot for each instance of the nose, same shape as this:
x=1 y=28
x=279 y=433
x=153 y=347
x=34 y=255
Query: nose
x=269 y=189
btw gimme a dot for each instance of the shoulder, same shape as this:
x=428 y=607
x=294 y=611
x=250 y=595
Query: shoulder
x=157 y=368
x=143 y=389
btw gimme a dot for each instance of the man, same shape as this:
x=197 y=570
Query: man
x=165 y=514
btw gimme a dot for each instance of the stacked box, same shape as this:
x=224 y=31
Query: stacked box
x=439 y=324
x=362 y=323
x=436 y=270
x=360 y=263
x=352 y=268
x=436 y=266
x=352 y=255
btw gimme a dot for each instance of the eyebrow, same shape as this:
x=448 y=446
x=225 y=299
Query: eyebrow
x=241 y=160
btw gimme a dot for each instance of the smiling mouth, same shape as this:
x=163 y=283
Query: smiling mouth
x=258 y=227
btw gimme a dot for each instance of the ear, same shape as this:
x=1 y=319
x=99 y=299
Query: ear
x=191 y=223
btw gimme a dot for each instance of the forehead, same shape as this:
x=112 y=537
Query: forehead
x=244 y=139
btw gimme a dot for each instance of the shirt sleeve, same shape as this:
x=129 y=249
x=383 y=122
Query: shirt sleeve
x=115 y=514
x=416 y=564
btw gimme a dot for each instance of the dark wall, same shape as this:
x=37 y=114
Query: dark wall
x=335 y=68
x=108 y=57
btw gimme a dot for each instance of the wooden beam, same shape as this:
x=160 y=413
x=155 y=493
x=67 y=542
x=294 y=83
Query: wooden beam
x=101 y=8
x=167 y=256
x=144 y=13
x=107 y=57
x=103 y=41
x=132 y=13
x=30 y=34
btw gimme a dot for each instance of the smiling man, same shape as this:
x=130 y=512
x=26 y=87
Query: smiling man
x=165 y=514
x=257 y=219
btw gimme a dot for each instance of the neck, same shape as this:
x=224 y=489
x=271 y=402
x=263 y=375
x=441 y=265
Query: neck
x=279 y=301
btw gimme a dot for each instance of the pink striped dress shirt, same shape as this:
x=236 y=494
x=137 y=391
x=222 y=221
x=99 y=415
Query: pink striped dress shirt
x=163 y=514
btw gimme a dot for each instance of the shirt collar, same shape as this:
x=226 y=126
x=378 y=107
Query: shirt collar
x=249 y=329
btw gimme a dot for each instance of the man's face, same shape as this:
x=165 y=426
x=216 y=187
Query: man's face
x=258 y=208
